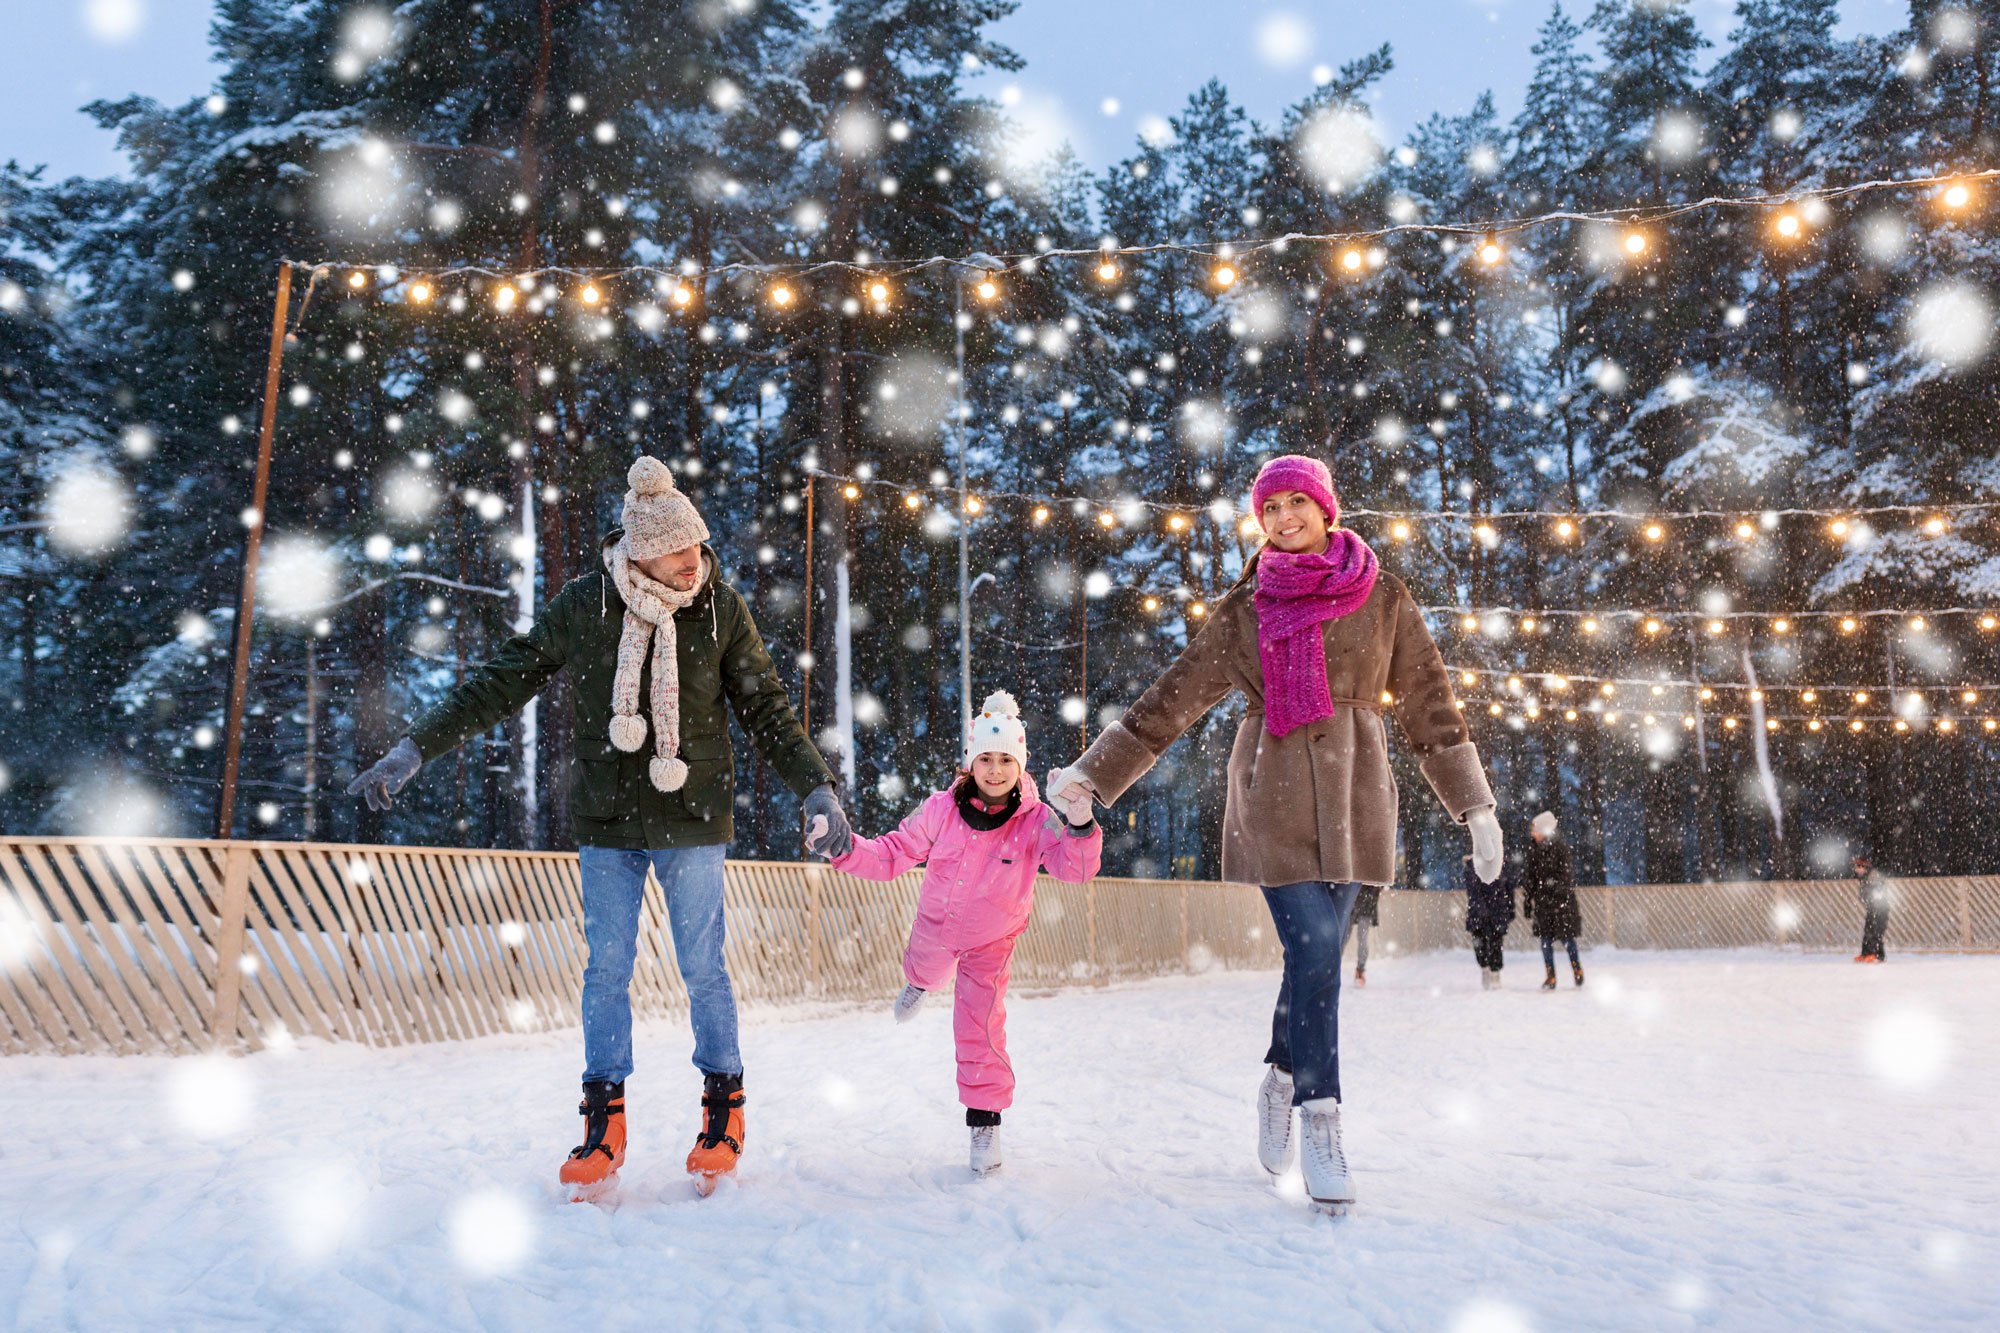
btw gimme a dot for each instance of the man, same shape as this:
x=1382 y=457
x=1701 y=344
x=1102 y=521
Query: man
x=1874 y=895
x=1548 y=897
x=655 y=644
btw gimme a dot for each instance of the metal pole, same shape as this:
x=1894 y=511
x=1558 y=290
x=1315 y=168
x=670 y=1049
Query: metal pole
x=239 y=676
x=809 y=611
x=964 y=522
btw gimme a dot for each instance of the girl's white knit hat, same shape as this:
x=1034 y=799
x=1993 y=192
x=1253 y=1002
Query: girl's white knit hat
x=1544 y=824
x=996 y=728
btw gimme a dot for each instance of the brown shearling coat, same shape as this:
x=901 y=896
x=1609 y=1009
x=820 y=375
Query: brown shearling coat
x=1320 y=802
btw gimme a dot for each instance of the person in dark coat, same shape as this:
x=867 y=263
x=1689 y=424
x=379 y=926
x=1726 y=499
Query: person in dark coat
x=1489 y=910
x=1548 y=897
x=1874 y=895
x=1367 y=912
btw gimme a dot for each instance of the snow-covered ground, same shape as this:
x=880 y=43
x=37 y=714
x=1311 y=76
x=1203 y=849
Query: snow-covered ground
x=1713 y=1140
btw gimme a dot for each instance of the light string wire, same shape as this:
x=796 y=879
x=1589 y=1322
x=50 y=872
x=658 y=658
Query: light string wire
x=1196 y=510
x=1634 y=216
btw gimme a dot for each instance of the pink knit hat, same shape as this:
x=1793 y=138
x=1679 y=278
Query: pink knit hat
x=1296 y=472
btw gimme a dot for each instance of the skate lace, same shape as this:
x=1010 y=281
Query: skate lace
x=983 y=1137
x=716 y=1131
x=1323 y=1140
x=1277 y=1105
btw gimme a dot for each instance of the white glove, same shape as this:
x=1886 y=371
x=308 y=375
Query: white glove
x=1484 y=826
x=1071 y=793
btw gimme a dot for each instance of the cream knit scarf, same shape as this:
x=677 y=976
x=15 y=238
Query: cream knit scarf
x=649 y=614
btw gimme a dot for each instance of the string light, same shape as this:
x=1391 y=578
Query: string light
x=1654 y=532
x=1935 y=526
x=1197 y=610
x=1107 y=271
x=1224 y=276
x=1152 y=603
x=913 y=501
x=1351 y=260
x=1635 y=243
x=973 y=504
x=357 y=279
x=782 y=296
x=851 y=491
x=1956 y=195
x=1787 y=225
x=1838 y=529
x=1399 y=531
x=1565 y=529
x=683 y=296
x=590 y=294
x=504 y=298
x=1107 y=520
x=1490 y=253
x=1041 y=515
x=987 y=290
x=878 y=293
x=420 y=291
x=1177 y=522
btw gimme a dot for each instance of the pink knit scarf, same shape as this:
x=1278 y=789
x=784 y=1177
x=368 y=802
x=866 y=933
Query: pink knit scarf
x=1296 y=594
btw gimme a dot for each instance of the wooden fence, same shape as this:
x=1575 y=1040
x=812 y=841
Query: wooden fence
x=164 y=945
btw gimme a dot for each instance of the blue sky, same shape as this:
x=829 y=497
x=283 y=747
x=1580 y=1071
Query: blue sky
x=1096 y=68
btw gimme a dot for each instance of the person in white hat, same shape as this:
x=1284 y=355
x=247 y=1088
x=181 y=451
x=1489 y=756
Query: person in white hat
x=981 y=841
x=659 y=651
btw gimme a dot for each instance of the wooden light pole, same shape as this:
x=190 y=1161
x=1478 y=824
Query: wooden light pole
x=239 y=676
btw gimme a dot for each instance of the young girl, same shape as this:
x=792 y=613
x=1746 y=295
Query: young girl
x=981 y=842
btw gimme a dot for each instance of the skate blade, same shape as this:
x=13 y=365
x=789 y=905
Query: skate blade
x=1331 y=1208
x=978 y=1174
x=603 y=1192
x=705 y=1181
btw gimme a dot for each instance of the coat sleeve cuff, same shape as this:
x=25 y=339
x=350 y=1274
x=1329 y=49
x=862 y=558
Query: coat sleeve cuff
x=1114 y=761
x=1458 y=779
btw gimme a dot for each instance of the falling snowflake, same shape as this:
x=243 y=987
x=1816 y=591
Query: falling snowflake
x=88 y=507
x=1951 y=323
x=492 y=1232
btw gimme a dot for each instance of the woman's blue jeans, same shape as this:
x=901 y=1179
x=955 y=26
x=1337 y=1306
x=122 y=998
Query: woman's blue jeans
x=1305 y=1027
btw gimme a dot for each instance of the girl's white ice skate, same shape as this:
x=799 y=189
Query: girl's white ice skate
x=1328 y=1184
x=907 y=1004
x=1274 y=1122
x=985 y=1149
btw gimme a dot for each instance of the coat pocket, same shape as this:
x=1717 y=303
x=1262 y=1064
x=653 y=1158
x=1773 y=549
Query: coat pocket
x=594 y=789
x=711 y=776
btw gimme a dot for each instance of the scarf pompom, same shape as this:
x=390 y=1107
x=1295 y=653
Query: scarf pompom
x=669 y=772
x=628 y=731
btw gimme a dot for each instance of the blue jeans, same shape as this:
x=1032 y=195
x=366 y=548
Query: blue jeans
x=614 y=884
x=1549 y=952
x=1305 y=1027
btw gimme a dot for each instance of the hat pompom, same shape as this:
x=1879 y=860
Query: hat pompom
x=1001 y=703
x=649 y=476
x=668 y=774
x=628 y=731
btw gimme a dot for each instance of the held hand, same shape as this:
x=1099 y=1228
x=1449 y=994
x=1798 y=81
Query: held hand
x=388 y=775
x=1072 y=796
x=828 y=833
x=1484 y=826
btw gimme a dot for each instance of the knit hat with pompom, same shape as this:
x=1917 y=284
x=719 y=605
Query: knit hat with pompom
x=997 y=728
x=658 y=519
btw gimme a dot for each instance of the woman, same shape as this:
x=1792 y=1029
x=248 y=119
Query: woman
x=1319 y=641
x=1548 y=897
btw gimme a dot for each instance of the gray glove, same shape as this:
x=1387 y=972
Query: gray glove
x=389 y=775
x=827 y=831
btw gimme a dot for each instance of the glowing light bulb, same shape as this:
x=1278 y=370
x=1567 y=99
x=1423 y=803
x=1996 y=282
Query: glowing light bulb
x=590 y=295
x=1041 y=515
x=1107 y=519
x=1788 y=225
x=1469 y=623
x=504 y=298
x=1565 y=529
x=851 y=491
x=973 y=504
x=1781 y=625
x=1861 y=696
x=1490 y=253
x=1809 y=697
x=357 y=280
x=1399 y=531
x=987 y=290
x=1918 y=624
x=1351 y=260
x=913 y=501
x=1839 y=529
x=878 y=292
x=683 y=296
x=1635 y=243
x=1715 y=627
x=1746 y=530
x=1957 y=195
x=1590 y=625
x=1654 y=532
x=1970 y=697
x=1989 y=623
x=782 y=296
x=1813 y=725
x=1653 y=626
x=1152 y=603
x=420 y=292
x=1224 y=275
x=1935 y=526
x=1848 y=624
x=1107 y=271
x=1197 y=610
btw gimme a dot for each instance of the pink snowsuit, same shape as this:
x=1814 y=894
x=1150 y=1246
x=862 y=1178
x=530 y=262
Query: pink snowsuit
x=978 y=889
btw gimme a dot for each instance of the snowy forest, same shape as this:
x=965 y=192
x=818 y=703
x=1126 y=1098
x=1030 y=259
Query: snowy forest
x=1702 y=684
